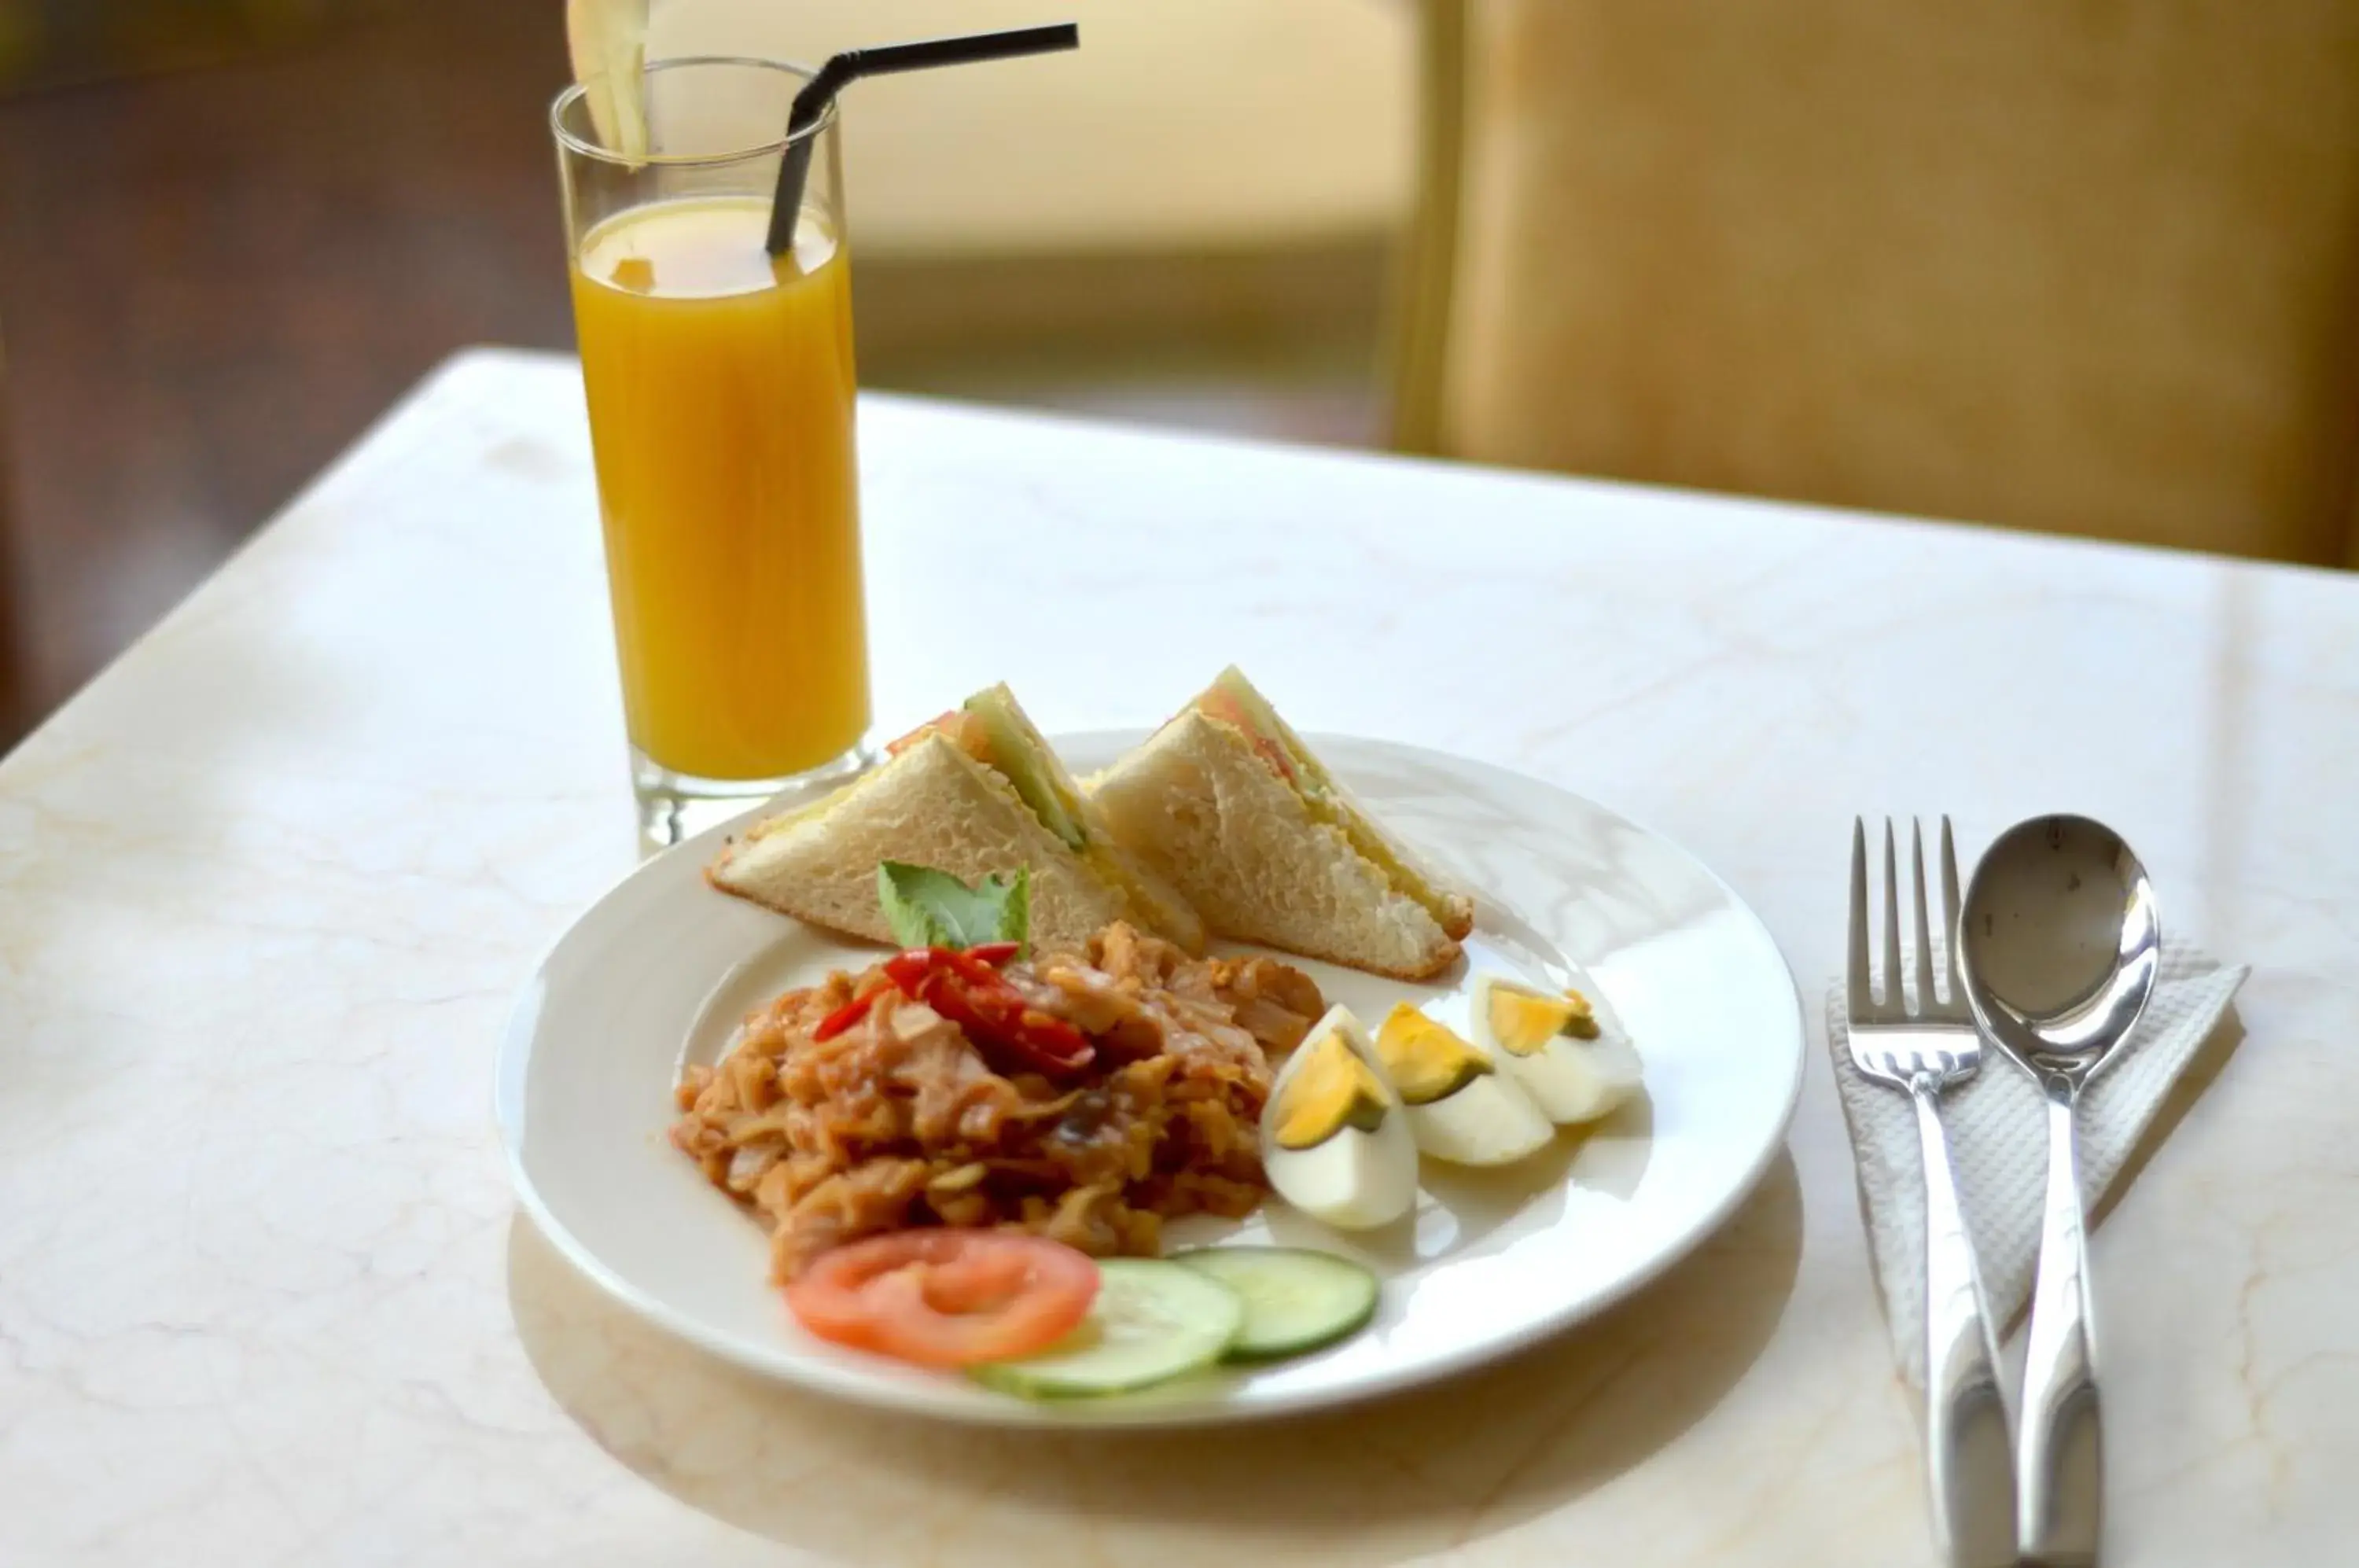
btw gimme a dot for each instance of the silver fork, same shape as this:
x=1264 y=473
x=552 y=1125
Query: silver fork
x=1921 y=1047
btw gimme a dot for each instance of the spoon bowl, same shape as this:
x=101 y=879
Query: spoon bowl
x=2061 y=945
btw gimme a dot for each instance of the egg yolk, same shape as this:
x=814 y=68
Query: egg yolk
x=1426 y=1060
x=1523 y=1021
x=1332 y=1090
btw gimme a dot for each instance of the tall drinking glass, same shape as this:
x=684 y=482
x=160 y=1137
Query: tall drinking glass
x=720 y=385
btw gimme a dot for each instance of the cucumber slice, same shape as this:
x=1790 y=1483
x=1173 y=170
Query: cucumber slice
x=1295 y=1300
x=1151 y=1322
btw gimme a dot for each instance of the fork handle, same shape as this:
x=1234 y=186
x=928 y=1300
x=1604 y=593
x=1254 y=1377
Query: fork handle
x=1968 y=1447
x=2061 y=1447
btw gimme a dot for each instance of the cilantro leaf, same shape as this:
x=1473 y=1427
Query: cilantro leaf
x=933 y=909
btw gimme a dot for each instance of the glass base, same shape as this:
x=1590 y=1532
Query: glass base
x=674 y=807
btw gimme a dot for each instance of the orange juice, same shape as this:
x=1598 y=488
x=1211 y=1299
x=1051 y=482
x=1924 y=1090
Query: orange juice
x=719 y=386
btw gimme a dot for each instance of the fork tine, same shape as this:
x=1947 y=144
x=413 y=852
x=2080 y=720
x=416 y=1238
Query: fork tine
x=1855 y=972
x=1923 y=891
x=1954 y=979
x=1893 y=922
x=1892 y=997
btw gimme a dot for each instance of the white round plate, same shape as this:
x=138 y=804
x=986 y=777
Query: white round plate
x=659 y=971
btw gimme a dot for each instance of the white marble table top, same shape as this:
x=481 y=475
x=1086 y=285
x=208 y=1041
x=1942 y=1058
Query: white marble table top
x=270 y=882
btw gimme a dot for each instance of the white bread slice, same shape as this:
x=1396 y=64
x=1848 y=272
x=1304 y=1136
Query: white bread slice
x=932 y=805
x=1264 y=726
x=1202 y=806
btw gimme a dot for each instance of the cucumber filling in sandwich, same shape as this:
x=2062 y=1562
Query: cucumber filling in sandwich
x=991 y=728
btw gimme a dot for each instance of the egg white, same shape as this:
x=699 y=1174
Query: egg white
x=1351 y=1180
x=1488 y=1121
x=1569 y=1079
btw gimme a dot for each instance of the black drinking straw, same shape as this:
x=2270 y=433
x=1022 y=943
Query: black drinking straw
x=850 y=66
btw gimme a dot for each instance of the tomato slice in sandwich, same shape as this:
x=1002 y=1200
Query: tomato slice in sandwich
x=1219 y=703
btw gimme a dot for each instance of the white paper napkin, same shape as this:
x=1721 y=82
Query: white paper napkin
x=1998 y=1142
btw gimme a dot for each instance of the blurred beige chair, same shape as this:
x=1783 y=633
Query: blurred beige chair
x=1201 y=169
x=2064 y=264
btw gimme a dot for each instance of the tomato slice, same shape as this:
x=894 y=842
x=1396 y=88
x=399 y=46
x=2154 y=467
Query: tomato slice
x=951 y=723
x=1218 y=704
x=946 y=1298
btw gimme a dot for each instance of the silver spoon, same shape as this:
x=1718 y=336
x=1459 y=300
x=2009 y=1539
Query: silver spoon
x=2060 y=942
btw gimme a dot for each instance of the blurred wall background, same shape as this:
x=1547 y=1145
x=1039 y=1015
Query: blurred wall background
x=231 y=231
x=2055 y=264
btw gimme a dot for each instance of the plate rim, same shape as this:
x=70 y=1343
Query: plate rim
x=516 y=1054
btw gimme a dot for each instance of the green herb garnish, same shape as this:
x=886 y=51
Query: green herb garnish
x=933 y=909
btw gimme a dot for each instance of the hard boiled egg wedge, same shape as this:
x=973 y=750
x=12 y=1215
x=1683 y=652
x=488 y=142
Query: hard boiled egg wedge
x=1334 y=1138
x=1461 y=1107
x=1575 y=1066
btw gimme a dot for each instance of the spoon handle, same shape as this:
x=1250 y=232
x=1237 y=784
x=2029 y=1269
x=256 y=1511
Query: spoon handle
x=2060 y=1451
x=1968 y=1454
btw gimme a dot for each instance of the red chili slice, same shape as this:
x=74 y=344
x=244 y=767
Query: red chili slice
x=845 y=1016
x=1011 y=1036
x=908 y=970
x=1053 y=1034
x=975 y=971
